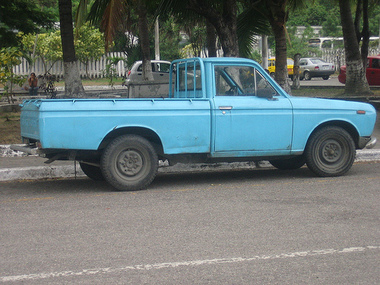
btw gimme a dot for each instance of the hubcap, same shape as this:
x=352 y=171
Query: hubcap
x=331 y=151
x=130 y=162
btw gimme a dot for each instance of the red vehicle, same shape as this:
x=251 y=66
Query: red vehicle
x=373 y=71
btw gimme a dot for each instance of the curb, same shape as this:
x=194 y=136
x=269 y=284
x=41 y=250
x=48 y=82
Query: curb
x=74 y=170
x=67 y=171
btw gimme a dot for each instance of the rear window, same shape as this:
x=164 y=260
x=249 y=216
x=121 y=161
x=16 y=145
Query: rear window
x=317 y=61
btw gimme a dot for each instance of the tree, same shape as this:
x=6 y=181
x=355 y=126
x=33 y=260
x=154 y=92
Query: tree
x=22 y=16
x=89 y=44
x=222 y=15
x=46 y=46
x=10 y=57
x=356 y=82
x=73 y=83
x=144 y=40
x=110 y=14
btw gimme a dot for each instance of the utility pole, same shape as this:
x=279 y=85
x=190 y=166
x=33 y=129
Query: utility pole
x=264 y=51
x=157 y=40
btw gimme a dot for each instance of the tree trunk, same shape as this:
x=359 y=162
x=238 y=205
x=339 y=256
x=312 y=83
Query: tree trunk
x=144 y=40
x=277 y=20
x=73 y=83
x=211 y=39
x=225 y=23
x=365 y=34
x=296 y=71
x=356 y=81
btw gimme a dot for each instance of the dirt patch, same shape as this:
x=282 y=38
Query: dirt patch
x=10 y=128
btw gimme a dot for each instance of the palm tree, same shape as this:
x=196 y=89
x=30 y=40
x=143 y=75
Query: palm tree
x=228 y=19
x=356 y=82
x=220 y=14
x=111 y=13
x=276 y=12
x=73 y=83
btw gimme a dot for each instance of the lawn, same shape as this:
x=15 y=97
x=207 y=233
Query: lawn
x=10 y=128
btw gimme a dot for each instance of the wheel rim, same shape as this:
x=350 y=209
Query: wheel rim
x=331 y=151
x=130 y=164
x=332 y=154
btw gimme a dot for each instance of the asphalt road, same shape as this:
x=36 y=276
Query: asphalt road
x=317 y=81
x=261 y=226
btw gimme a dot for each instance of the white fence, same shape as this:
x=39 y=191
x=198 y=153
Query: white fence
x=95 y=68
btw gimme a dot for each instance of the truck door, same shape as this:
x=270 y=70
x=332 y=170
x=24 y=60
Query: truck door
x=250 y=117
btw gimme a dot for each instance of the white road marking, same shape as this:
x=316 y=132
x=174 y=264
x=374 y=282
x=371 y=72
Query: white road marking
x=156 y=266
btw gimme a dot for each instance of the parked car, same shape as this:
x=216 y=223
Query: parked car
x=272 y=66
x=160 y=69
x=372 y=72
x=315 y=67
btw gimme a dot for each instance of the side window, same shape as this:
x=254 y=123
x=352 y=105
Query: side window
x=164 y=67
x=375 y=63
x=240 y=81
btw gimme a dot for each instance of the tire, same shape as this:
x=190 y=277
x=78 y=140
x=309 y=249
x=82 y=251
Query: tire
x=326 y=77
x=307 y=75
x=92 y=171
x=289 y=163
x=330 y=152
x=129 y=163
x=272 y=74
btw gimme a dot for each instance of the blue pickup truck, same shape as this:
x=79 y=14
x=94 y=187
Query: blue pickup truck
x=217 y=109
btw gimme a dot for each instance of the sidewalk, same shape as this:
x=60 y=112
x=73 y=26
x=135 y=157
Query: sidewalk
x=15 y=166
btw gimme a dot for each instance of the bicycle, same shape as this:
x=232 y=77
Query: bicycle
x=48 y=84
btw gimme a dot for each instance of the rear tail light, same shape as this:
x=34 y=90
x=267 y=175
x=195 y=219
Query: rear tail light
x=129 y=72
x=317 y=67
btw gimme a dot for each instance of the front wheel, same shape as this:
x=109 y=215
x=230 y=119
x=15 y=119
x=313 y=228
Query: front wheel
x=330 y=152
x=92 y=171
x=129 y=163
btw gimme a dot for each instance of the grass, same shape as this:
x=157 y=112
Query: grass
x=326 y=92
x=94 y=82
x=10 y=128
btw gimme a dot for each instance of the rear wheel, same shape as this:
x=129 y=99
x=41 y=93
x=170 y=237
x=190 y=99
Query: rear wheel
x=92 y=171
x=307 y=75
x=289 y=163
x=330 y=152
x=326 y=77
x=129 y=163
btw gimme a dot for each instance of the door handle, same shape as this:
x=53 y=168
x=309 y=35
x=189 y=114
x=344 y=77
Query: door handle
x=225 y=107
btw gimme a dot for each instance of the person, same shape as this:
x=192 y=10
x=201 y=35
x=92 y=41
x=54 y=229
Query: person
x=33 y=84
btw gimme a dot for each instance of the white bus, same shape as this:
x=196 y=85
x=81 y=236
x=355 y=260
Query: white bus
x=331 y=42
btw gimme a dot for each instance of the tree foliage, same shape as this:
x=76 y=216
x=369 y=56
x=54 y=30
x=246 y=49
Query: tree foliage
x=46 y=46
x=22 y=16
x=9 y=57
x=89 y=45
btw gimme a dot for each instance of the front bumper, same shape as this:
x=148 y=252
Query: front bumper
x=367 y=142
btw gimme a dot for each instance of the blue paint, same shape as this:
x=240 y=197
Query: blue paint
x=196 y=119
